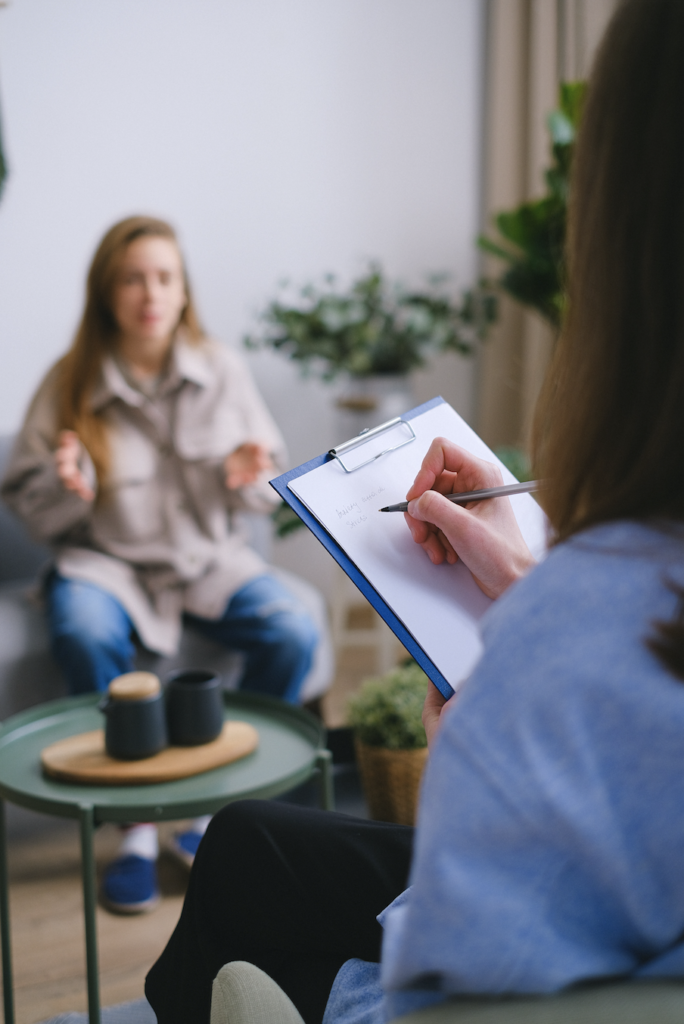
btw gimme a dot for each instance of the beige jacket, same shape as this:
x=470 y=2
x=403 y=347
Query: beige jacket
x=159 y=535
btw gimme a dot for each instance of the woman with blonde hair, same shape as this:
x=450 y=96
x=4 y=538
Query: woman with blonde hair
x=138 y=447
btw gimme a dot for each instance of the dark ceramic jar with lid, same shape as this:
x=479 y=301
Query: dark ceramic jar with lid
x=136 y=719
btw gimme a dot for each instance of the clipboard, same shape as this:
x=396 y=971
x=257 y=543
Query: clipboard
x=280 y=484
x=434 y=610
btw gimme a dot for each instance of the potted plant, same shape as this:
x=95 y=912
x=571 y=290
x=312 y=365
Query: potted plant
x=373 y=334
x=390 y=741
x=533 y=233
x=372 y=328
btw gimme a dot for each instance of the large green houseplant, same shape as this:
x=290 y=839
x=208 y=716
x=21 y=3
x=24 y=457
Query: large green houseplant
x=532 y=236
x=391 y=746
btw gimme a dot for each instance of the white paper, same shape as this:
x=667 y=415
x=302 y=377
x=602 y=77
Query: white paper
x=440 y=605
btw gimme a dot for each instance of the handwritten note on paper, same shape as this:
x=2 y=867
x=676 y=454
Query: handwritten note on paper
x=440 y=605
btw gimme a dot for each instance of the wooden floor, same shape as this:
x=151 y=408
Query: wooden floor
x=46 y=910
x=46 y=903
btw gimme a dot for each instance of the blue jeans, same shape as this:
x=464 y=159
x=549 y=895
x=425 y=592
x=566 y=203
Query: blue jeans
x=92 y=635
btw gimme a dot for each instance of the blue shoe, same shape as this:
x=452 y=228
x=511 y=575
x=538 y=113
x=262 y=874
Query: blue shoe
x=184 y=846
x=129 y=885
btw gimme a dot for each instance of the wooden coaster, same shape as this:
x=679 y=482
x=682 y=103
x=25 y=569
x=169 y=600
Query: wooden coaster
x=83 y=758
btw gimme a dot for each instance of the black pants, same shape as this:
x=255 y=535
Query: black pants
x=292 y=890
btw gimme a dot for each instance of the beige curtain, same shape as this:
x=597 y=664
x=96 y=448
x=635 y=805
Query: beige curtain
x=531 y=46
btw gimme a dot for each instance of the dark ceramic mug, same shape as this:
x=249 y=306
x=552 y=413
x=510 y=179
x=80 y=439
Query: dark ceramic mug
x=194 y=707
x=136 y=719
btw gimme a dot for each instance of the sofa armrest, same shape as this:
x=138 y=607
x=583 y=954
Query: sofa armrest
x=243 y=994
x=618 y=1002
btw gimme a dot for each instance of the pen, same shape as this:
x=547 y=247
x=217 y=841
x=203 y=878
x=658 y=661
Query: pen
x=467 y=496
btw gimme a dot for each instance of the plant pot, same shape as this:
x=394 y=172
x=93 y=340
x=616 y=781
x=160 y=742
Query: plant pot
x=370 y=401
x=391 y=781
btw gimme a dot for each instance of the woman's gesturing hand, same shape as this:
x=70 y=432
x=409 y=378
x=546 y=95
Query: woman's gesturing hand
x=484 y=534
x=244 y=465
x=66 y=458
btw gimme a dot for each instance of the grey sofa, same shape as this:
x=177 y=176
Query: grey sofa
x=242 y=994
x=28 y=673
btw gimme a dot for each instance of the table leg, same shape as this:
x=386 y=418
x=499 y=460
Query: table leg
x=87 y=824
x=324 y=765
x=7 y=985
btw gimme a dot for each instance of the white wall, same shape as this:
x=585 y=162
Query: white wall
x=282 y=137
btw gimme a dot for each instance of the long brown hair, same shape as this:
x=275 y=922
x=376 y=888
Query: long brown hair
x=609 y=431
x=97 y=332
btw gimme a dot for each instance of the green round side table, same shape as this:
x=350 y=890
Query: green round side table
x=291 y=748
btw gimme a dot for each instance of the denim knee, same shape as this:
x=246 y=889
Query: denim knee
x=77 y=608
x=90 y=632
x=292 y=630
x=275 y=631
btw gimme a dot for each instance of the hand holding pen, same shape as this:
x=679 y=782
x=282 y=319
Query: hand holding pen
x=486 y=537
x=466 y=497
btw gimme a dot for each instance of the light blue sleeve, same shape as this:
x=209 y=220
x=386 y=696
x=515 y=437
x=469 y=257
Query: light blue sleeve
x=356 y=996
x=551 y=826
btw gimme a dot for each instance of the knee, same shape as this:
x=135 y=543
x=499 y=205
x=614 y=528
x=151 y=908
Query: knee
x=294 y=632
x=89 y=635
x=234 y=835
x=237 y=818
x=85 y=616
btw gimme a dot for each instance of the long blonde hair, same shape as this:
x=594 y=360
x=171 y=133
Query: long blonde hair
x=95 y=338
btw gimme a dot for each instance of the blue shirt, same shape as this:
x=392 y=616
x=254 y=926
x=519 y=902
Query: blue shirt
x=550 y=842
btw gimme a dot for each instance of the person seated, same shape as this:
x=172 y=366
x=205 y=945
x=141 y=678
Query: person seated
x=548 y=849
x=137 y=449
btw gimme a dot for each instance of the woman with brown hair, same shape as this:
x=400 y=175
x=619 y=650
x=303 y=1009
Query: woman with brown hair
x=138 y=447
x=550 y=833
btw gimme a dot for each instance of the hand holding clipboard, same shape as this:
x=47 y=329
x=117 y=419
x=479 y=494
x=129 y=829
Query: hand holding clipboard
x=434 y=609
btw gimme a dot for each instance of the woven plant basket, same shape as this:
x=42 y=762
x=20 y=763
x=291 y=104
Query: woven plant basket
x=391 y=781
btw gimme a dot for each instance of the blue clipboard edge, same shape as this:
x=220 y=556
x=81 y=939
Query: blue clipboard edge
x=280 y=483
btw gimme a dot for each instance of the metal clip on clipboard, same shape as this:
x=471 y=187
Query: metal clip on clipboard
x=366 y=435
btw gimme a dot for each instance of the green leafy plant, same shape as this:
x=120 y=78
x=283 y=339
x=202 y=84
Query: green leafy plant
x=386 y=712
x=285 y=520
x=515 y=459
x=534 y=233
x=372 y=328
